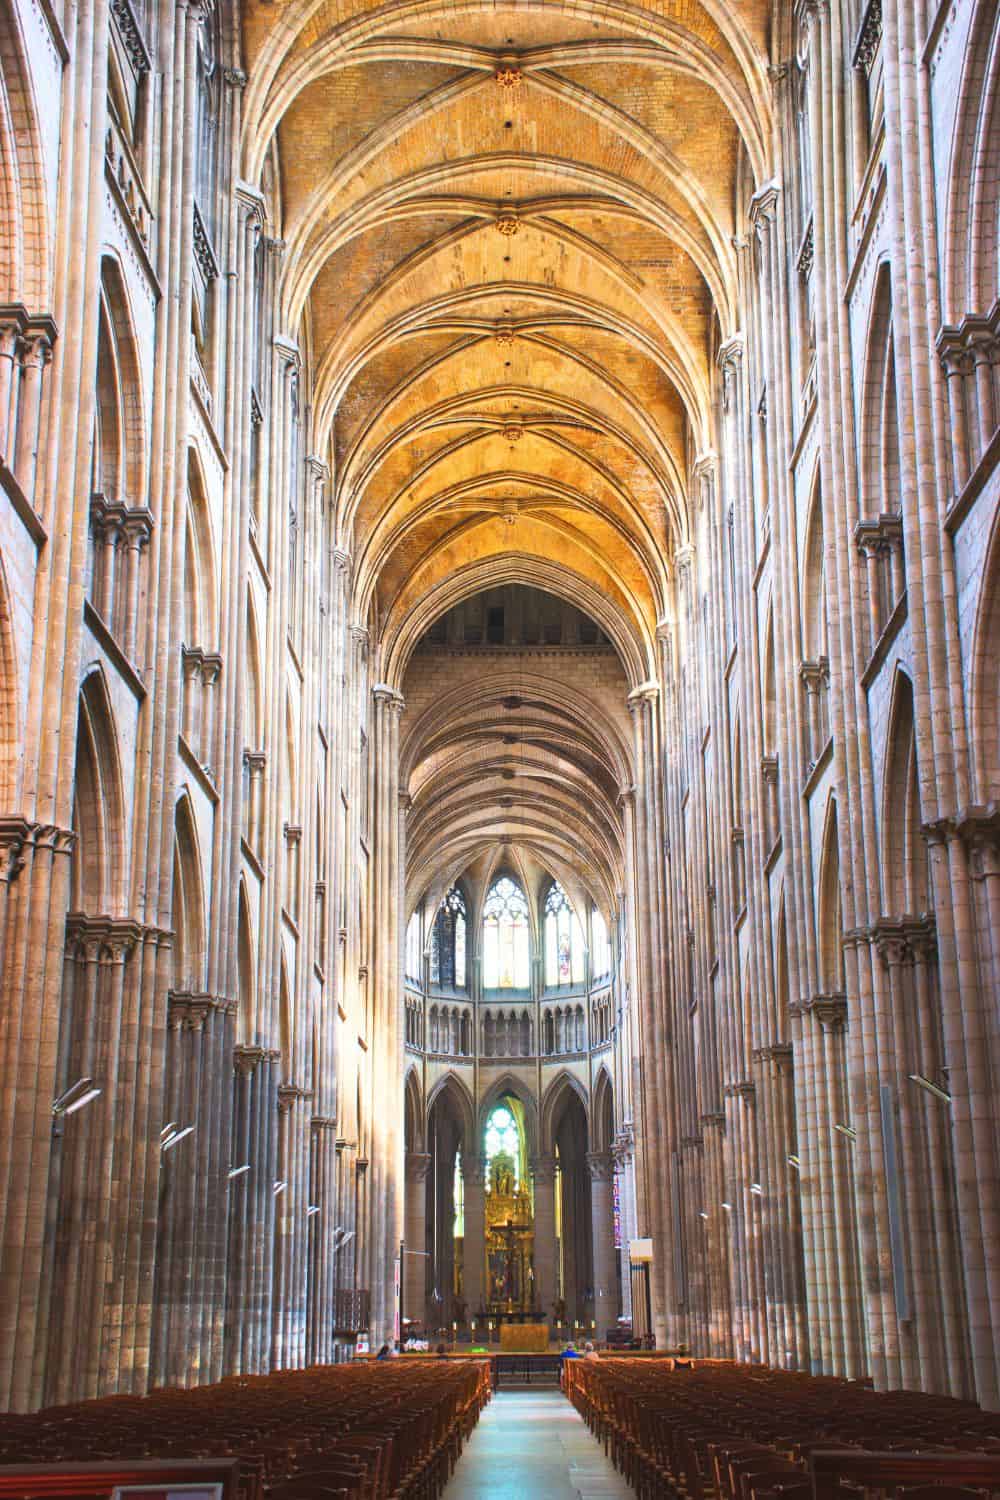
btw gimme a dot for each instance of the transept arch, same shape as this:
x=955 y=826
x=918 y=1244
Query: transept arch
x=24 y=216
x=904 y=852
x=563 y=1088
x=10 y=737
x=829 y=919
x=985 y=678
x=972 y=247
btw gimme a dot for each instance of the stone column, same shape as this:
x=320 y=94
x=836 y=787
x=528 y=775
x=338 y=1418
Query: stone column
x=415 y=1236
x=544 y=1175
x=602 y=1229
x=474 y=1248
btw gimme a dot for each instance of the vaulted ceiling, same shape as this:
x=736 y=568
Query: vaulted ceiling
x=509 y=239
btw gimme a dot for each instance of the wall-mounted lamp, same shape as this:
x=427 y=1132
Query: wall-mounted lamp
x=793 y=1161
x=237 y=1171
x=756 y=1189
x=702 y=1214
x=171 y=1140
x=848 y=1131
x=312 y=1209
x=728 y=1207
x=932 y=1088
x=279 y=1187
x=75 y=1097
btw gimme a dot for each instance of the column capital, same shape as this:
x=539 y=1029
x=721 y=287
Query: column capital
x=600 y=1166
x=341 y=559
x=763 y=208
x=418 y=1164
x=646 y=692
x=730 y=355
x=388 y=698
x=543 y=1170
x=247 y=1059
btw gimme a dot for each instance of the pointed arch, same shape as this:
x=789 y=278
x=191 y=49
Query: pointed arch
x=98 y=881
x=813 y=593
x=564 y=1086
x=119 y=437
x=879 y=427
x=10 y=734
x=25 y=269
x=768 y=686
x=413 y=1113
x=602 y=1128
x=450 y=1092
x=516 y=1088
x=189 y=917
x=246 y=967
x=253 y=705
x=985 y=695
x=829 y=920
x=972 y=250
x=904 y=852
x=200 y=593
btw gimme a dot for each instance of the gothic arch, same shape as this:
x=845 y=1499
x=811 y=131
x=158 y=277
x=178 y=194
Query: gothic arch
x=413 y=1113
x=200 y=609
x=879 y=425
x=509 y=1083
x=563 y=1087
x=99 y=858
x=189 y=917
x=602 y=1130
x=24 y=240
x=119 y=436
x=10 y=734
x=451 y=1092
x=904 y=856
x=972 y=273
x=985 y=694
x=246 y=967
x=253 y=693
x=813 y=592
x=768 y=686
x=829 y=920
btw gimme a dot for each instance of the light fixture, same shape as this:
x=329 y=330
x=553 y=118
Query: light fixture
x=847 y=1130
x=167 y=1129
x=237 y=1171
x=728 y=1207
x=75 y=1097
x=172 y=1140
x=756 y=1188
x=312 y=1209
x=702 y=1214
x=793 y=1161
x=279 y=1187
x=932 y=1088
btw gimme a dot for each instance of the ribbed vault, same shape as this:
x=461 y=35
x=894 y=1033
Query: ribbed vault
x=509 y=250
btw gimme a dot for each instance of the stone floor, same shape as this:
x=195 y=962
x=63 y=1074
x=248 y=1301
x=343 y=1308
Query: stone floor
x=532 y=1444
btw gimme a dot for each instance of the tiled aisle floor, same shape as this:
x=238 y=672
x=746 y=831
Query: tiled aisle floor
x=533 y=1445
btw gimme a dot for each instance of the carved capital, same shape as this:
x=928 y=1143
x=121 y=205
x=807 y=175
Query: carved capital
x=418 y=1164
x=600 y=1166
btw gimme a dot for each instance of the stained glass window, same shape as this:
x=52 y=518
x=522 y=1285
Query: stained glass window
x=505 y=937
x=563 y=940
x=448 y=941
x=502 y=1139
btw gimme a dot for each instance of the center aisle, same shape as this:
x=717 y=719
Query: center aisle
x=532 y=1444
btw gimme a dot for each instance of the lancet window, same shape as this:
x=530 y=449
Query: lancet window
x=448 y=941
x=506 y=963
x=502 y=1141
x=564 y=947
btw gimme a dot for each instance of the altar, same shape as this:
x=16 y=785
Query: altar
x=510 y=1241
x=524 y=1338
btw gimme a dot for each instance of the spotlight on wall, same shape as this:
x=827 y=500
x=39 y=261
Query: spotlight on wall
x=170 y=1141
x=756 y=1188
x=793 y=1161
x=728 y=1207
x=237 y=1171
x=279 y=1187
x=847 y=1130
x=75 y=1097
x=702 y=1214
x=932 y=1088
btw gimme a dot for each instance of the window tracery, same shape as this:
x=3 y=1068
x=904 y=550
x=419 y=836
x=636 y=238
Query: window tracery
x=506 y=947
x=564 y=946
x=448 y=941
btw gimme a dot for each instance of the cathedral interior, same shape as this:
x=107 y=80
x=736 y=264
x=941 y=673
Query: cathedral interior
x=499 y=689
